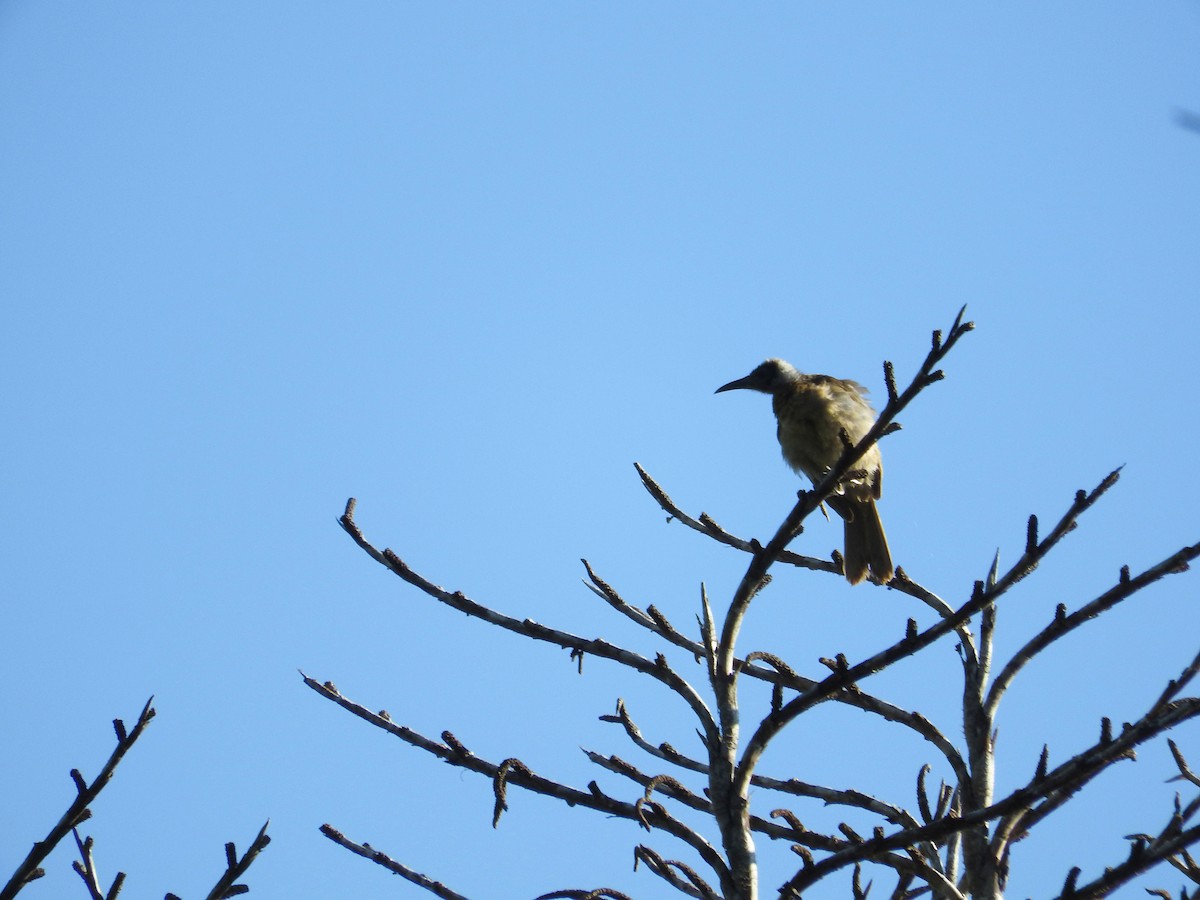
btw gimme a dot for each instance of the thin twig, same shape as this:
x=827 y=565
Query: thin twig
x=1062 y=781
x=78 y=811
x=657 y=668
x=1061 y=625
x=793 y=786
x=706 y=525
x=368 y=852
x=781 y=678
x=235 y=866
x=1142 y=857
x=681 y=877
x=453 y=752
x=910 y=645
x=85 y=868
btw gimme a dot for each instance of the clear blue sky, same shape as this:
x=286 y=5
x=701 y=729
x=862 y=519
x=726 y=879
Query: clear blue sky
x=468 y=262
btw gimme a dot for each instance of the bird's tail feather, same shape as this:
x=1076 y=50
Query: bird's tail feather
x=866 y=545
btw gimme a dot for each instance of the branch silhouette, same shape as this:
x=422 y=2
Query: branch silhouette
x=78 y=812
x=954 y=842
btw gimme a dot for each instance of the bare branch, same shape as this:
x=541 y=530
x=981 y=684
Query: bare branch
x=1143 y=855
x=368 y=852
x=670 y=871
x=908 y=868
x=856 y=888
x=500 y=785
x=85 y=868
x=708 y=634
x=783 y=677
x=1055 y=788
x=605 y=591
x=664 y=784
x=603 y=649
x=1185 y=773
x=658 y=669
x=662 y=751
x=78 y=811
x=707 y=526
x=1035 y=552
x=795 y=830
x=793 y=786
x=453 y=752
x=1061 y=625
x=235 y=866
x=923 y=795
x=1060 y=783
x=672 y=788
x=597 y=894
x=960 y=844
x=981 y=599
x=1187 y=865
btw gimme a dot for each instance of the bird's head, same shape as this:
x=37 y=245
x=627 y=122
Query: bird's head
x=770 y=377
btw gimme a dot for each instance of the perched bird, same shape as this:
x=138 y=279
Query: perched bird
x=811 y=411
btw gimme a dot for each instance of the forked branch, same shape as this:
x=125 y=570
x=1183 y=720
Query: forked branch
x=959 y=844
x=30 y=868
x=1145 y=852
x=455 y=753
x=782 y=678
x=1063 y=624
x=657 y=668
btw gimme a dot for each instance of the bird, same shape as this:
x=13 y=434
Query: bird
x=811 y=412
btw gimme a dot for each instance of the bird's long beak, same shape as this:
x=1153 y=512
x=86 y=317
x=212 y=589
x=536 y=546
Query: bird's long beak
x=740 y=384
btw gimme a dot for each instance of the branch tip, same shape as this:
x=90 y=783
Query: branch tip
x=889 y=380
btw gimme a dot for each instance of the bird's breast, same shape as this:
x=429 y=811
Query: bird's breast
x=810 y=424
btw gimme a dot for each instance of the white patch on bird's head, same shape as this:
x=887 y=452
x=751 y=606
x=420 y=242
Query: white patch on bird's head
x=778 y=372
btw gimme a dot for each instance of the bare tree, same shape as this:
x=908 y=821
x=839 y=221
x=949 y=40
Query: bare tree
x=954 y=844
x=79 y=811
